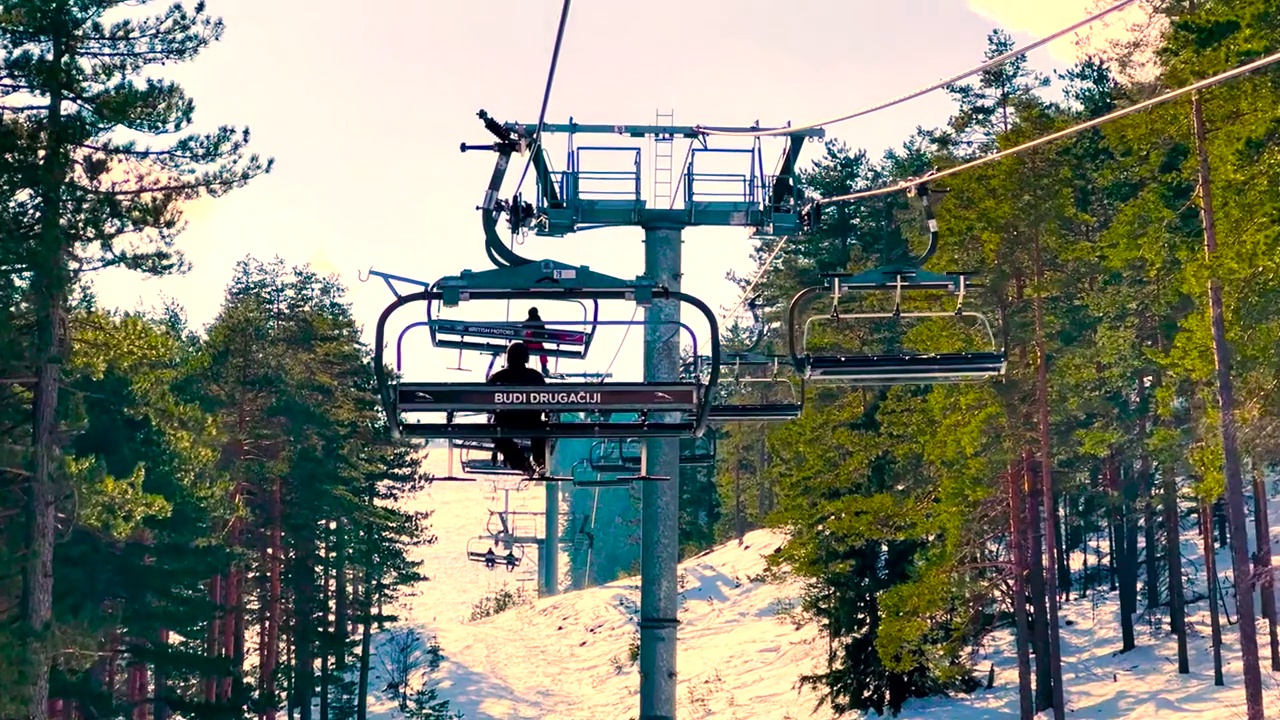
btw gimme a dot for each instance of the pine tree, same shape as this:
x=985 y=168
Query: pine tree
x=74 y=75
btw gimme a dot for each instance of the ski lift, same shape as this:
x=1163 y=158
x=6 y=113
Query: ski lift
x=758 y=388
x=689 y=400
x=614 y=455
x=485 y=550
x=896 y=366
x=481 y=458
x=558 y=339
x=607 y=478
x=699 y=451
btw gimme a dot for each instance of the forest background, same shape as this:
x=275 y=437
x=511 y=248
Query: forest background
x=148 y=565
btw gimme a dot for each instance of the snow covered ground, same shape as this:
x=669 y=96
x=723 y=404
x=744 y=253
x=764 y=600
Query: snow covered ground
x=568 y=657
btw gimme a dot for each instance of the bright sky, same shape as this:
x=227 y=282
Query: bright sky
x=364 y=111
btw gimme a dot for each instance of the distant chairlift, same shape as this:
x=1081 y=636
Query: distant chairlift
x=614 y=456
x=596 y=480
x=486 y=550
x=480 y=457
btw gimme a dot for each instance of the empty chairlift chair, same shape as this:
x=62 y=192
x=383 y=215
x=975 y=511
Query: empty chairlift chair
x=614 y=456
x=758 y=388
x=895 y=366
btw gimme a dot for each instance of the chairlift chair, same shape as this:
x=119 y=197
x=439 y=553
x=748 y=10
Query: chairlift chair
x=700 y=451
x=688 y=400
x=893 y=368
x=559 y=339
x=605 y=470
x=480 y=457
x=485 y=550
x=614 y=455
x=744 y=395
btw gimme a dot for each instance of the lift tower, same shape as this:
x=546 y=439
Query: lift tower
x=587 y=194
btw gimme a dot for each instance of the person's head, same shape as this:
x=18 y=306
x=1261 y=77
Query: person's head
x=517 y=355
x=533 y=314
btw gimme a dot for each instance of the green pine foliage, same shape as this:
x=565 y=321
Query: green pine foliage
x=219 y=507
x=897 y=500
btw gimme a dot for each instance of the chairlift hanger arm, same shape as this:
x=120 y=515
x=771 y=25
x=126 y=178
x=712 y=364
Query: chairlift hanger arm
x=541 y=169
x=931 y=221
x=784 y=186
x=797 y=360
x=492 y=207
x=388 y=277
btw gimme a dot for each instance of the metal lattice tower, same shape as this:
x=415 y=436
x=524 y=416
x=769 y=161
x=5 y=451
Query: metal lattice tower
x=663 y=161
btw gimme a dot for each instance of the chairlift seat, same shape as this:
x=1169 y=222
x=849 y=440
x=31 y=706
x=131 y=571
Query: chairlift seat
x=478 y=551
x=485 y=467
x=888 y=369
x=602 y=482
x=701 y=453
x=616 y=481
x=755 y=412
x=641 y=398
x=613 y=457
x=614 y=465
x=496 y=337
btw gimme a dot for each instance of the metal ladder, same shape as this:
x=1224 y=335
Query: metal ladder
x=663 y=161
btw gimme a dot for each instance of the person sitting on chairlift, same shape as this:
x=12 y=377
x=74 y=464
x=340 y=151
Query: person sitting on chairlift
x=511 y=560
x=517 y=372
x=490 y=558
x=534 y=322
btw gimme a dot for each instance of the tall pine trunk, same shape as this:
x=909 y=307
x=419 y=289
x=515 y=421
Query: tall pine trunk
x=323 y=629
x=1046 y=482
x=1240 y=563
x=366 y=633
x=1017 y=550
x=1211 y=586
x=304 y=617
x=212 y=645
x=1262 y=534
x=341 y=611
x=1146 y=489
x=1039 y=601
x=272 y=611
x=1128 y=576
x=1173 y=551
x=160 y=709
x=50 y=281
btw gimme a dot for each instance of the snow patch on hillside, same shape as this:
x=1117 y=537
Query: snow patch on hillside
x=569 y=657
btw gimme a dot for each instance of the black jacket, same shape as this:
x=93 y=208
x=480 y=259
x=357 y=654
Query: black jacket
x=517 y=376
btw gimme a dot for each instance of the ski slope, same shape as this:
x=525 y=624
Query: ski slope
x=568 y=657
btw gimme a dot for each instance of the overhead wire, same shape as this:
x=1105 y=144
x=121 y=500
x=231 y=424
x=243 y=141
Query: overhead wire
x=546 y=93
x=1158 y=100
x=992 y=63
x=622 y=342
x=930 y=177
